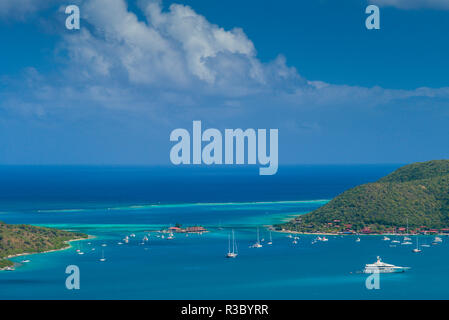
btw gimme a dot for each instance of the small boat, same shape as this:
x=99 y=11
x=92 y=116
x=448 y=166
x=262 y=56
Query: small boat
x=257 y=244
x=395 y=241
x=289 y=236
x=9 y=269
x=437 y=240
x=416 y=250
x=25 y=261
x=406 y=243
x=357 y=240
x=233 y=253
x=386 y=239
x=295 y=242
x=119 y=243
x=102 y=259
x=104 y=245
x=271 y=240
x=132 y=235
x=382 y=267
x=407 y=239
x=79 y=251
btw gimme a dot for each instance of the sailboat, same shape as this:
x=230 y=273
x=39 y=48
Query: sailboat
x=79 y=250
x=233 y=253
x=425 y=245
x=102 y=256
x=416 y=250
x=271 y=240
x=257 y=244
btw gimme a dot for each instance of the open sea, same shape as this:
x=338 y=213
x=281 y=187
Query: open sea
x=113 y=202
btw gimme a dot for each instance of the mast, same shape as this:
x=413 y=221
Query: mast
x=234 y=244
x=258 y=235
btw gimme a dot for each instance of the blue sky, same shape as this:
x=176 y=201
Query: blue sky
x=112 y=92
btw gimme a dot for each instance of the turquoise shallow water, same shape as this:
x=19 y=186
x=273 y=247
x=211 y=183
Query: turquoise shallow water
x=194 y=267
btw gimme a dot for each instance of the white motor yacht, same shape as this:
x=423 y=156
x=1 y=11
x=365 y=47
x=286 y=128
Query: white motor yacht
x=382 y=267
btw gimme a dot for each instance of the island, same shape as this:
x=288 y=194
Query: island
x=16 y=240
x=179 y=229
x=414 y=199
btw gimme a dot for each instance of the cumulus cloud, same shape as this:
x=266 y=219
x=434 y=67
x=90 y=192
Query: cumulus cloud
x=414 y=4
x=175 y=49
x=171 y=60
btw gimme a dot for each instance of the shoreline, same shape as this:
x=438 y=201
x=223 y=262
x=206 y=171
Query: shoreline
x=68 y=242
x=356 y=234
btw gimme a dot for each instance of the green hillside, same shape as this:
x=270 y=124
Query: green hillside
x=417 y=193
x=16 y=239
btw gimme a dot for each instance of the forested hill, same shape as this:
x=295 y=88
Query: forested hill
x=17 y=239
x=417 y=193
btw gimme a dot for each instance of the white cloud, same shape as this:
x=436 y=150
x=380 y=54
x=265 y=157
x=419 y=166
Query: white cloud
x=167 y=60
x=176 y=49
x=414 y=4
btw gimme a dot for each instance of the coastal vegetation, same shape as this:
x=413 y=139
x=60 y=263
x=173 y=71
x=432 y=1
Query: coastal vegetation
x=413 y=198
x=20 y=239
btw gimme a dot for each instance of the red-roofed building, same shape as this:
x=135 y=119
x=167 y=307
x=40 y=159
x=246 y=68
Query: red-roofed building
x=366 y=230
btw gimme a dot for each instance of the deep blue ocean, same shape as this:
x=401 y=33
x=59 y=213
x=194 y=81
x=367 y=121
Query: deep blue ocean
x=113 y=202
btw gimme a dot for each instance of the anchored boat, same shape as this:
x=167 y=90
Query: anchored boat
x=382 y=267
